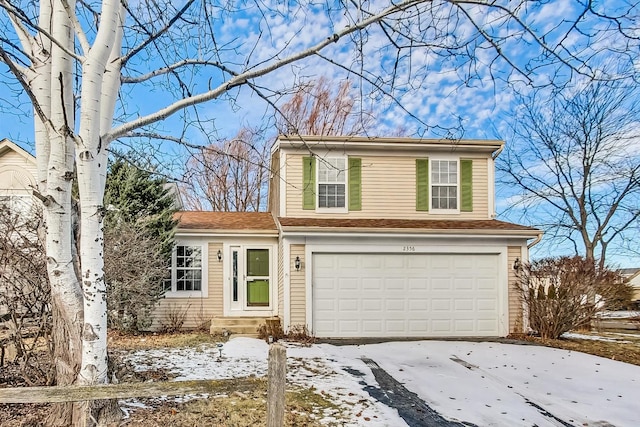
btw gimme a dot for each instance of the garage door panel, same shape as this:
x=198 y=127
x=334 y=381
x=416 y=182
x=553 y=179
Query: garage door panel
x=372 y=327
x=419 y=327
x=463 y=326
x=346 y=263
x=417 y=283
x=396 y=327
x=485 y=284
x=464 y=305
x=486 y=304
x=419 y=304
x=345 y=305
x=372 y=284
x=374 y=305
x=464 y=284
x=442 y=326
x=394 y=284
x=395 y=305
x=348 y=284
x=378 y=295
x=349 y=326
x=389 y=262
x=441 y=305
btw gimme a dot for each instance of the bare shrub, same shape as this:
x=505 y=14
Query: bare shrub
x=25 y=299
x=565 y=293
x=271 y=330
x=301 y=334
x=174 y=318
x=203 y=320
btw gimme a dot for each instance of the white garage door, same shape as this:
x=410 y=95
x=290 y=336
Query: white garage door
x=402 y=295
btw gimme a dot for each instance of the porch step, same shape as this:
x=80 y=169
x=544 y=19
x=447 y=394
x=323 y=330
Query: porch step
x=239 y=325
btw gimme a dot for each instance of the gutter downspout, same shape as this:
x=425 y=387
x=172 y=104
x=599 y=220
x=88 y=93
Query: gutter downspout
x=492 y=176
x=536 y=241
x=497 y=152
x=283 y=312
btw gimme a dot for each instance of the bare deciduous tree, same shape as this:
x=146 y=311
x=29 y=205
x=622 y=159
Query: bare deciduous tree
x=319 y=108
x=68 y=55
x=232 y=175
x=576 y=159
x=228 y=176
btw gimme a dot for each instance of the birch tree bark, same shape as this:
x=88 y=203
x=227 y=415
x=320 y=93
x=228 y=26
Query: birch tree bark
x=54 y=121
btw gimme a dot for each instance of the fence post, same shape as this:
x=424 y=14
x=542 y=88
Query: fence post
x=276 y=384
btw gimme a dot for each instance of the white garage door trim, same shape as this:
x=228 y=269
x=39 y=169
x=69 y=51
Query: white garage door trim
x=501 y=280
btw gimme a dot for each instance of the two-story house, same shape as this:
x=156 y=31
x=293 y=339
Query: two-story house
x=364 y=237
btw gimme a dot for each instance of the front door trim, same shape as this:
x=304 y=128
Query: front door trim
x=235 y=273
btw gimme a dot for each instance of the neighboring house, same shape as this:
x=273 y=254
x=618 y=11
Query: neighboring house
x=633 y=275
x=18 y=172
x=364 y=237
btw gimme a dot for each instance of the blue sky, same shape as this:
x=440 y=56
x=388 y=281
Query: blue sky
x=453 y=94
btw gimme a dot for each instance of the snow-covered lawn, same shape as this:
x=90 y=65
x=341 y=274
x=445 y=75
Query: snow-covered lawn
x=618 y=314
x=485 y=383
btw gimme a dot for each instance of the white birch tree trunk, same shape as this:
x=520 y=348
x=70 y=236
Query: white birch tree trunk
x=101 y=83
x=52 y=87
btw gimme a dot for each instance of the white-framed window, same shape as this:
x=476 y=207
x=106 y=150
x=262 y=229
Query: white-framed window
x=444 y=185
x=332 y=183
x=188 y=277
x=188 y=268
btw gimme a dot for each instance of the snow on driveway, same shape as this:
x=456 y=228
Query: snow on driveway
x=499 y=380
x=484 y=383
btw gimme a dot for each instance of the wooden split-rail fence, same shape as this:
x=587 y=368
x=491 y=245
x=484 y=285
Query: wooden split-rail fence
x=276 y=380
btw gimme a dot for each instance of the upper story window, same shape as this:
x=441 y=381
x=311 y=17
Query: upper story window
x=332 y=183
x=444 y=184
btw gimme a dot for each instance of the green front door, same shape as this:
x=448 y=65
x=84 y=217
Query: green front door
x=258 y=263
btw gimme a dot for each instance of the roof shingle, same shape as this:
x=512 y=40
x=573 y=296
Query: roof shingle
x=415 y=224
x=198 y=220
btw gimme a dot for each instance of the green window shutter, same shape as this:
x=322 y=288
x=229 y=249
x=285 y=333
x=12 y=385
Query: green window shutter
x=355 y=184
x=466 y=185
x=308 y=183
x=422 y=184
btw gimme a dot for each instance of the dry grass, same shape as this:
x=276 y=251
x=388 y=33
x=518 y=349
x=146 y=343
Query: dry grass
x=240 y=408
x=151 y=340
x=625 y=348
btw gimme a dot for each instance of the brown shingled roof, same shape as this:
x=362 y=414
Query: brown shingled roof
x=196 y=220
x=415 y=224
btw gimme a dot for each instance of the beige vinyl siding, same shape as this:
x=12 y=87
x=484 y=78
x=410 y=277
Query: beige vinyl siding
x=274 y=184
x=388 y=190
x=280 y=279
x=16 y=171
x=298 y=298
x=199 y=310
x=515 y=301
x=11 y=158
x=480 y=190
